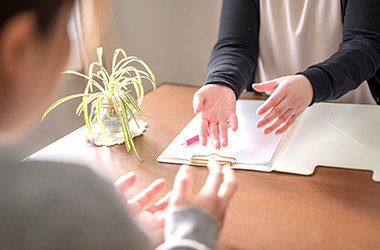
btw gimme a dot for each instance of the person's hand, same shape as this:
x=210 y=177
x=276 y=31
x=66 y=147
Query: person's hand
x=151 y=217
x=214 y=195
x=291 y=96
x=217 y=104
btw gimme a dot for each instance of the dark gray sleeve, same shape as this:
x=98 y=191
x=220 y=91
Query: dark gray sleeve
x=190 y=228
x=234 y=57
x=358 y=57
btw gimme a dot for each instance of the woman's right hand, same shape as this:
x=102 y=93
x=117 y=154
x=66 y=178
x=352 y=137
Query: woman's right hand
x=216 y=104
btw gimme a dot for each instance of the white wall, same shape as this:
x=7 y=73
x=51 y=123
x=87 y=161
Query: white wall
x=174 y=37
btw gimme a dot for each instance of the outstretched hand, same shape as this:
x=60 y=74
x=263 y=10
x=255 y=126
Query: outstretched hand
x=291 y=96
x=152 y=216
x=217 y=105
x=215 y=194
x=213 y=197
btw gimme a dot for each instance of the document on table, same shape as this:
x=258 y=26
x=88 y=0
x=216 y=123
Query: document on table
x=327 y=134
x=247 y=145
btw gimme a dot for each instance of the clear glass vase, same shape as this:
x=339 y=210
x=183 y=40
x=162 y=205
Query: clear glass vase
x=111 y=122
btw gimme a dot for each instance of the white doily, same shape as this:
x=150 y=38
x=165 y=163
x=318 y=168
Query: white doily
x=98 y=139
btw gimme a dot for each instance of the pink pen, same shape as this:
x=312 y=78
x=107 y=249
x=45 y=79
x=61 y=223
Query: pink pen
x=195 y=138
x=191 y=140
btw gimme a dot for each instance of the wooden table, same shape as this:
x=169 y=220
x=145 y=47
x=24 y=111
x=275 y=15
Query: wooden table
x=331 y=209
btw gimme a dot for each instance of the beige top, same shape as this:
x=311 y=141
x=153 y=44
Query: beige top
x=295 y=34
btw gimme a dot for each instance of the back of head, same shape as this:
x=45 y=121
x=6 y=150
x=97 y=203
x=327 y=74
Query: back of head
x=34 y=41
x=46 y=10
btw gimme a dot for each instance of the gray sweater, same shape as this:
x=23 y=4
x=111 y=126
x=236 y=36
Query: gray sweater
x=58 y=206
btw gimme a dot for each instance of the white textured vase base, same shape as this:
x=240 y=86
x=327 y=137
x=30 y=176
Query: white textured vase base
x=98 y=139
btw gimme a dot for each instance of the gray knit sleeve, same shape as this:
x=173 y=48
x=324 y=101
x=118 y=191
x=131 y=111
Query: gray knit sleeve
x=189 y=227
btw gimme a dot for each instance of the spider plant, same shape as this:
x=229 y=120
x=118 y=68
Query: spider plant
x=113 y=89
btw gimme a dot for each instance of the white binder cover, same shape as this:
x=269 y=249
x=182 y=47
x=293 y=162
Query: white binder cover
x=328 y=134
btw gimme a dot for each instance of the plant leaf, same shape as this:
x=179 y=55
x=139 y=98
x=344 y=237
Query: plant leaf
x=85 y=109
x=133 y=103
x=60 y=101
x=99 y=102
x=125 y=126
x=89 y=100
x=86 y=77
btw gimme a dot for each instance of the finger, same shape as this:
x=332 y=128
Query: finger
x=150 y=220
x=275 y=112
x=143 y=198
x=286 y=125
x=161 y=204
x=214 y=179
x=182 y=186
x=265 y=86
x=271 y=102
x=214 y=135
x=198 y=101
x=203 y=132
x=277 y=122
x=233 y=121
x=160 y=217
x=223 y=127
x=125 y=181
x=229 y=185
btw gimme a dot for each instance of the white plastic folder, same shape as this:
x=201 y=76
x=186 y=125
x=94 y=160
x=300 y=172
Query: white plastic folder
x=328 y=134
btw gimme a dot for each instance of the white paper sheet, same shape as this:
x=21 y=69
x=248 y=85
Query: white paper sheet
x=248 y=145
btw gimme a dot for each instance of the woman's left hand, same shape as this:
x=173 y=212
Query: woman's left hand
x=291 y=96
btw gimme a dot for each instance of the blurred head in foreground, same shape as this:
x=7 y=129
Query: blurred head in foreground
x=34 y=48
